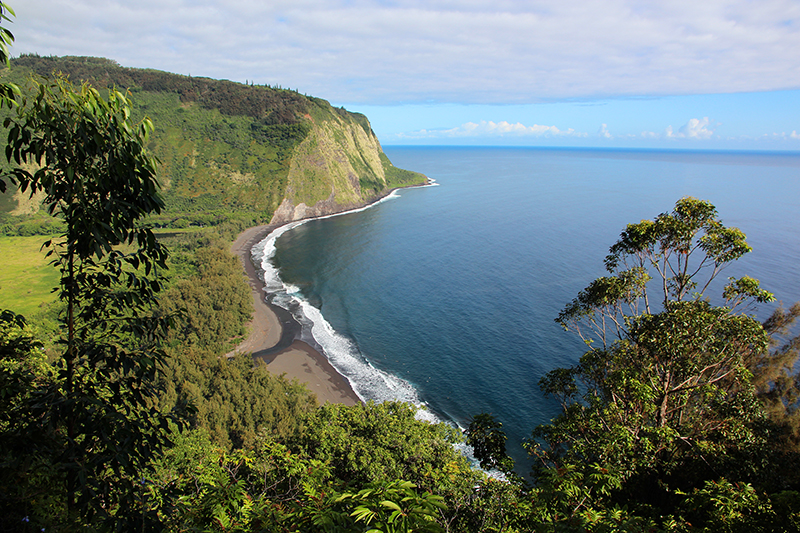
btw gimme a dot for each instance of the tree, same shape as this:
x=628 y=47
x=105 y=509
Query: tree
x=94 y=420
x=663 y=398
x=384 y=442
x=775 y=379
x=485 y=435
x=7 y=90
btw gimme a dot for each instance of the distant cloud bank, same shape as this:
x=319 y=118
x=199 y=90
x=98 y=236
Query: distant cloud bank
x=437 y=51
x=489 y=128
x=694 y=130
x=631 y=58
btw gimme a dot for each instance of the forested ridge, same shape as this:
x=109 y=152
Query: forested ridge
x=119 y=411
x=227 y=150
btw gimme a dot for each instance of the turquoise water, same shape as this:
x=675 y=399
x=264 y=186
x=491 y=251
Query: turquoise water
x=445 y=296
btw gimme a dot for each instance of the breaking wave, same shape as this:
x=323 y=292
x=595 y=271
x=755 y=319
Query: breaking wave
x=367 y=381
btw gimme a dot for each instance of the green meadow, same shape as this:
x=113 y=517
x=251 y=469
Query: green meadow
x=26 y=278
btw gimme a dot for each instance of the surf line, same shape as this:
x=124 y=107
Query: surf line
x=367 y=381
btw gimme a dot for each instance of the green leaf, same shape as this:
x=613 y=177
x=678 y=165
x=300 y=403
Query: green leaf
x=391 y=505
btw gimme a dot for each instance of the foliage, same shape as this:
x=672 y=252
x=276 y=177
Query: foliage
x=93 y=422
x=683 y=250
x=26 y=478
x=232 y=398
x=775 y=378
x=382 y=442
x=235 y=400
x=277 y=487
x=215 y=302
x=7 y=90
x=6 y=37
x=378 y=445
x=664 y=398
x=398 y=177
x=30 y=225
x=722 y=506
x=492 y=505
x=375 y=444
x=280 y=105
x=488 y=442
x=202 y=487
x=395 y=508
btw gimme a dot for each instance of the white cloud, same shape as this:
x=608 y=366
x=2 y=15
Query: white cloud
x=782 y=136
x=493 y=129
x=694 y=129
x=603 y=132
x=372 y=51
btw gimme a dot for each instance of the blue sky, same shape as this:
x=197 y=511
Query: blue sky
x=748 y=121
x=716 y=74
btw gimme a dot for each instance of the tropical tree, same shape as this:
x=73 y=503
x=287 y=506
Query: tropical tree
x=7 y=90
x=485 y=435
x=775 y=379
x=663 y=398
x=93 y=422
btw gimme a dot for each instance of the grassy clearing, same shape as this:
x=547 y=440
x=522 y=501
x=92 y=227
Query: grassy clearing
x=26 y=280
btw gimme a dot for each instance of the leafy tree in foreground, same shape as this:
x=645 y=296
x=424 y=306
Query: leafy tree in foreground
x=201 y=487
x=363 y=468
x=663 y=399
x=7 y=90
x=93 y=422
x=384 y=442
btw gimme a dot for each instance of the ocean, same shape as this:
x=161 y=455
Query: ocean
x=445 y=296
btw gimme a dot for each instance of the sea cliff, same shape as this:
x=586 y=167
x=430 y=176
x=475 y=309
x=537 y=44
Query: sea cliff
x=246 y=151
x=338 y=166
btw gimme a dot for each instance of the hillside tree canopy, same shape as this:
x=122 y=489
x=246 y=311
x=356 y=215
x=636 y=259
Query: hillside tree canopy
x=663 y=399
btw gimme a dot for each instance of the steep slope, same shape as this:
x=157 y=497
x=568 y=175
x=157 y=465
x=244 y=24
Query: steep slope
x=336 y=166
x=230 y=149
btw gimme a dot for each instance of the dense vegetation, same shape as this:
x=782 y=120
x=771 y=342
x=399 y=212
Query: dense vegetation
x=212 y=166
x=119 y=412
x=225 y=149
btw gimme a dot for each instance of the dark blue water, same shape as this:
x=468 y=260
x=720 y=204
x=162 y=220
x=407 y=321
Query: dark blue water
x=446 y=295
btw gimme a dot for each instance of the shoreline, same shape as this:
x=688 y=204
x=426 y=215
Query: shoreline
x=274 y=334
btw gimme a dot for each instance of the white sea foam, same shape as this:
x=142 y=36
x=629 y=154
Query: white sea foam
x=368 y=382
x=262 y=254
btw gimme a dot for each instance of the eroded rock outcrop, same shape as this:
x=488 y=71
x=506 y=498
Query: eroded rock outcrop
x=337 y=167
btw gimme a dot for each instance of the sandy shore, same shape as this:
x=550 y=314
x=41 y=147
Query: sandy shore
x=274 y=333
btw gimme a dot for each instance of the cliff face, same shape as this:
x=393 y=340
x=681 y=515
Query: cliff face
x=335 y=168
x=227 y=147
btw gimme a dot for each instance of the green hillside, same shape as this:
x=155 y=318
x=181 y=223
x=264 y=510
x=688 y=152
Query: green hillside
x=230 y=150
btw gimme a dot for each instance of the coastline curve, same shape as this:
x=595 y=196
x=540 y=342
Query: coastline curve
x=276 y=336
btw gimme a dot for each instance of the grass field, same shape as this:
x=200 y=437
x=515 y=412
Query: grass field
x=26 y=280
